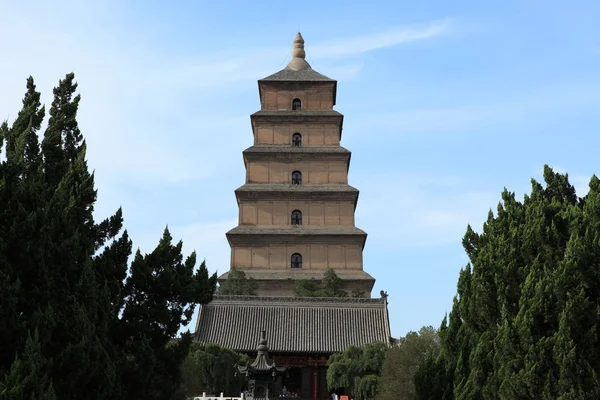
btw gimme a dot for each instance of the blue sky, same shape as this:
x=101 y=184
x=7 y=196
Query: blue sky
x=445 y=104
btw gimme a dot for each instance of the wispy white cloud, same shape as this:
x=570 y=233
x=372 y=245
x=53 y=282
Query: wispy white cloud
x=581 y=183
x=131 y=95
x=346 y=71
x=422 y=211
x=429 y=120
x=526 y=106
x=350 y=46
x=235 y=65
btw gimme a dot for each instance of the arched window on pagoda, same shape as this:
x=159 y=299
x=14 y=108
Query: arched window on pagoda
x=296 y=260
x=296 y=178
x=296 y=217
x=296 y=140
x=296 y=105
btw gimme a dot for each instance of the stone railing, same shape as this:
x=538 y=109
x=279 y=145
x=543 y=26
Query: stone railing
x=275 y=397
x=242 y=397
x=213 y=397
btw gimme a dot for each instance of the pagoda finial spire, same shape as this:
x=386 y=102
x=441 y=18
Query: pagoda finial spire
x=298 y=55
x=298 y=50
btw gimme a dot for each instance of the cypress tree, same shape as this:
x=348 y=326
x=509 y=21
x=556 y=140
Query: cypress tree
x=22 y=146
x=78 y=347
x=99 y=334
x=20 y=222
x=525 y=320
x=27 y=379
x=161 y=293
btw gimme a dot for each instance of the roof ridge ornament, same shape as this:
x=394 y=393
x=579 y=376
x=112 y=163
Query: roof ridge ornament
x=298 y=61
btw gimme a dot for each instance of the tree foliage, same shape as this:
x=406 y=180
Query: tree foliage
x=26 y=378
x=329 y=286
x=211 y=368
x=75 y=321
x=525 y=321
x=238 y=284
x=402 y=362
x=357 y=369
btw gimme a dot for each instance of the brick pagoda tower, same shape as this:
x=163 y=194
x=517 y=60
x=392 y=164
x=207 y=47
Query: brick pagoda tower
x=296 y=219
x=296 y=209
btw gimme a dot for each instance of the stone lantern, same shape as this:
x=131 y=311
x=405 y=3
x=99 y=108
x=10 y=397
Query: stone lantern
x=261 y=373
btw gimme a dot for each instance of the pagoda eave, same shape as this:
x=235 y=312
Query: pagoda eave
x=291 y=77
x=285 y=153
x=279 y=191
x=308 y=154
x=316 y=116
x=253 y=235
x=295 y=81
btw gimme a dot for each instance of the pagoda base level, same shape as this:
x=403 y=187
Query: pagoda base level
x=273 y=283
x=287 y=288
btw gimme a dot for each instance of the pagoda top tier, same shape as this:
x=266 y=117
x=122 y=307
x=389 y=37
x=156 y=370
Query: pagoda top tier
x=298 y=69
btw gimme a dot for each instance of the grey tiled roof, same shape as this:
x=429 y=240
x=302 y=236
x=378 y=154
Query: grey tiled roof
x=307 y=74
x=276 y=274
x=293 y=325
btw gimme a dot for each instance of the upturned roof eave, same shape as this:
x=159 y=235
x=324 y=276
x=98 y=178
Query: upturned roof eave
x=296 y=113
x=286 y=148
x=278 y=187
x=262 y=232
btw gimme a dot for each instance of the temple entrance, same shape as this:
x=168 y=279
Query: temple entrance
x=293 y=381
x=305 y=376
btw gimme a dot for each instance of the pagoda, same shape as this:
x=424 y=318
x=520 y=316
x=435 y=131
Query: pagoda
x=261 y=372
x=296 y=209
x=296 y=221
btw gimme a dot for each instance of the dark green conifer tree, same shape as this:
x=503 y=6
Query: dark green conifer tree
x=20 y=221
x=27 y=378
x=63 y=276
x=161 y=293
x=524 y=323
